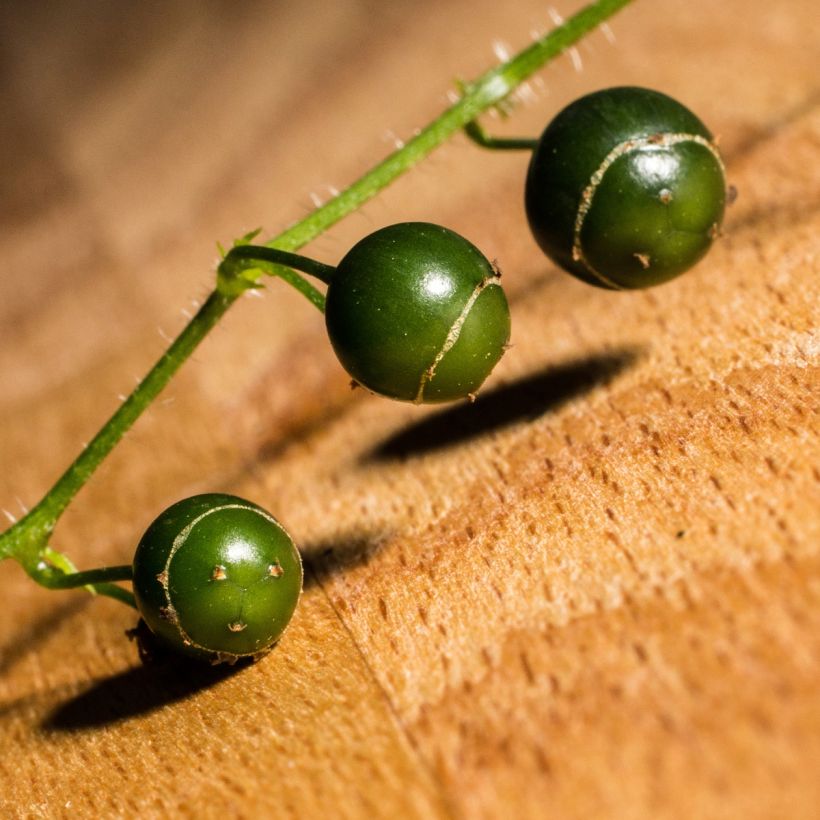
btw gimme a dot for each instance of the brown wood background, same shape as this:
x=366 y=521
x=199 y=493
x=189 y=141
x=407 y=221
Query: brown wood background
x=593 y=593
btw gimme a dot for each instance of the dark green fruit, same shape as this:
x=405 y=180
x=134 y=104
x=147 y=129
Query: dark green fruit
x=625 y=188
x=415 y=312
x=217 y=577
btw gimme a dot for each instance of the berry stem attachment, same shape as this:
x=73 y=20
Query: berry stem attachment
x=57 y=579
x=480 y=137
x=27 y=540
x=272 y=257
x=55 y=571
x=240 y=268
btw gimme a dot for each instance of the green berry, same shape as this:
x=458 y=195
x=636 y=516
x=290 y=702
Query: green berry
x=415 y=312
x=625 y=188
x=217 y=577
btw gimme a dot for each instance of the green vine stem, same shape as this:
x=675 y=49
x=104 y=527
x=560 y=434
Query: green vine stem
x=27 y=541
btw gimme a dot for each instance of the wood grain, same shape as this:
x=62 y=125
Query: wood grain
x=592 y=593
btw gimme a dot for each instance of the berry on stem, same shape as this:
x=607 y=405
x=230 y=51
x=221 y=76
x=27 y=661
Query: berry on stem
x=27 y=541
x=415 y=312
x=625 y=188
x=217 y=577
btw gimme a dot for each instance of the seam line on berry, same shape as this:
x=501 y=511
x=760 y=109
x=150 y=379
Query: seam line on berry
x=179 y=542
x=452 y=336
x=622 y=148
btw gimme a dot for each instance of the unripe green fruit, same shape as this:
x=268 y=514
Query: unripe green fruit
x=625 y=188
x=217 y=577
x=415 y=312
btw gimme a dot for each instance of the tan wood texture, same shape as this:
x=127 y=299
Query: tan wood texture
x=593 y=593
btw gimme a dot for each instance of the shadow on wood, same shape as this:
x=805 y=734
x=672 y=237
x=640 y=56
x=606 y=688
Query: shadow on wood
x=137 y=691
x=33 y=636
x=333 y=556
x=523 y=400
x=132 y=693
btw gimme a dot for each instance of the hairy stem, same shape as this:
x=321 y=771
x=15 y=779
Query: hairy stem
x=488 y=90
x=27 y=541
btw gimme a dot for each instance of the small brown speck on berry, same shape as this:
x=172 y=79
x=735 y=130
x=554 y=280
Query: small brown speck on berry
x=168 y=613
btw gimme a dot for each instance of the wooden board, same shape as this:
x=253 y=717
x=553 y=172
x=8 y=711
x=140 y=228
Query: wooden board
x=593 y=593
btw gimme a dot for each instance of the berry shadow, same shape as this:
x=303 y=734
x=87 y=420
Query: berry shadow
x=336 y=555
x=522 y=400
x=137 y=691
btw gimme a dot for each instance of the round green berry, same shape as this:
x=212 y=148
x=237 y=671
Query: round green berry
x=217 y=577
x=625 y=188
x=415 y=312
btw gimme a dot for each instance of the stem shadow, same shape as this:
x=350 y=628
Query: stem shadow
x=523 y=400
x=37 y=633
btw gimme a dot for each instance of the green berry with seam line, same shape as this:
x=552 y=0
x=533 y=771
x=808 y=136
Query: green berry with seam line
x=625 y=188
x=217 y=577
x=415 y=312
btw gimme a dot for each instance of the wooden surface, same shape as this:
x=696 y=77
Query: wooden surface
x=593 y=593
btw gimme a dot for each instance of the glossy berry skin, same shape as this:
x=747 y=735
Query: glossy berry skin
x=625 y=189
x=415 y=312
x=217 y=577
